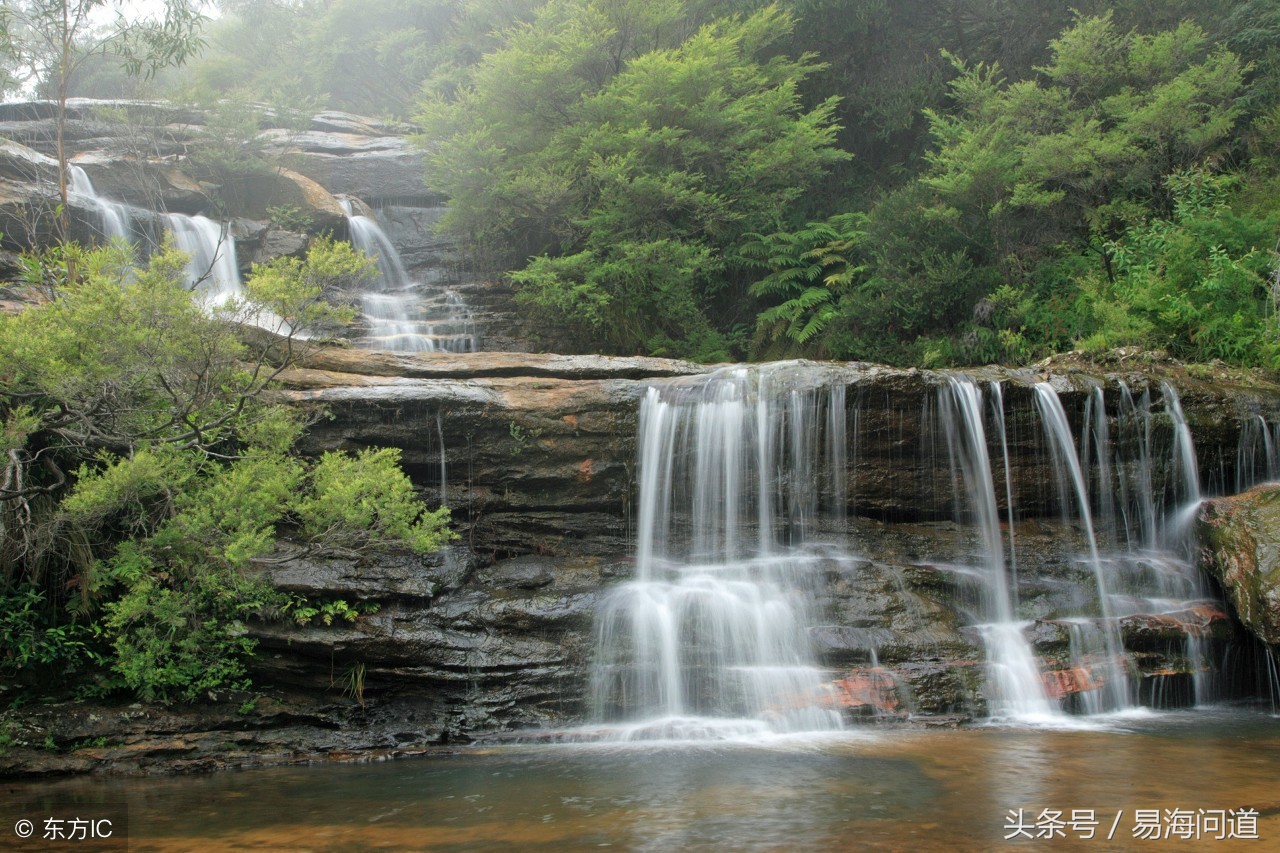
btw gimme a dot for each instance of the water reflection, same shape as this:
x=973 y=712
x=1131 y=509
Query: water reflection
x=887 y=790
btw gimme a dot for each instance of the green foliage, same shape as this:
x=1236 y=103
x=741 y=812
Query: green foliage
x=367 y=501
x=290 y=217
x=521 y=437
x=1196 y=284
x=145 y=472
x=35 y=644
x=1020 y=236
x=364 y=56
x=1086 y=148
x=809 y=270
x=178 y=642
x=295 y=289
x=352 y=682
x=618 y=166
x=306 y=612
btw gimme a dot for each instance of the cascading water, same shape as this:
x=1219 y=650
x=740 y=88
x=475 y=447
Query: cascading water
x=211 y=256
x=1257 y=459
x=1133 y=535
x=113 y=218
x=1106 y=657
x=402 y=315
x=743 y=475
x=1017 y=689
x=709 y=639
x=210 y=248
x=1187 y=494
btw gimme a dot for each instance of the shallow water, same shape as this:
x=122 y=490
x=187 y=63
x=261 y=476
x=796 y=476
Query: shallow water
x=869 y=789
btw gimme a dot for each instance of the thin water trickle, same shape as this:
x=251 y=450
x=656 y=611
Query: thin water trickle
x=1257 y=459
x=1108 y=656
x=1017 y=690
x=1187 y=468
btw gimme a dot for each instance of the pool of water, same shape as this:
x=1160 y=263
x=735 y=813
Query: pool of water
x=869 y=789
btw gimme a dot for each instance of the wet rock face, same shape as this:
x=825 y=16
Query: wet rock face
x=1241 y=550
x=536 y=464
x=490 y=647
x=539 y=469
x=540 y=448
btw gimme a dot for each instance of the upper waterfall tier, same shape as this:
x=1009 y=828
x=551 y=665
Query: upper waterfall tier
x=404 y=315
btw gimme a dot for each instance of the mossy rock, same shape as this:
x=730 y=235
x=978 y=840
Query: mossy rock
x=1240 y=548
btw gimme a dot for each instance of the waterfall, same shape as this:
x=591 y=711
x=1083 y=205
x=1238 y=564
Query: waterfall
x=1148 y=571
x=1184 y=449
x=1017 y=688
x=367 y=236
x=744 y=479
x=211 y=256
x=212 y=269
x=1095 y=459
x=1186 y=469
x=1107 y=658
x=997 y=409
x=710 y=638
x=114 y=218
x=403 y=316
x=1133 y=465
x=1256 y=453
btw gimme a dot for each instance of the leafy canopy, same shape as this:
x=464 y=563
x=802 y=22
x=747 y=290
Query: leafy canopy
x=615 y=160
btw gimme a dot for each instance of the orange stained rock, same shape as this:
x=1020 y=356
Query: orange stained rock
x=1063 y=682
x=873 y=687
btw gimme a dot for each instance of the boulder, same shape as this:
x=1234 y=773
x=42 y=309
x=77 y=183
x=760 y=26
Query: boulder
x=1240 y=548
x=254 y=196
x=259 y=242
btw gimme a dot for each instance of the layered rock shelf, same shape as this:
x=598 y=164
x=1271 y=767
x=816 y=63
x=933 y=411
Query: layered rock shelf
x=538 y=456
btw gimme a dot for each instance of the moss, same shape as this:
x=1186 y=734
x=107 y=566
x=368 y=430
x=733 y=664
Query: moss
x=1241 y=537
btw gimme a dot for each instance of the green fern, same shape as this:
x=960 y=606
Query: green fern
x=808 y=270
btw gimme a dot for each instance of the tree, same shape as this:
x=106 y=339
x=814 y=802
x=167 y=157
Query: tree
x=48 y=41
x=143 y=468
x=1197 y=283
x=1082 y=152
x=616 y=155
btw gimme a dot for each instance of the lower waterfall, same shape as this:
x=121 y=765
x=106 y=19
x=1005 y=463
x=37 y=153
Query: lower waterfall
x=747 y=497
x=710 y=638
